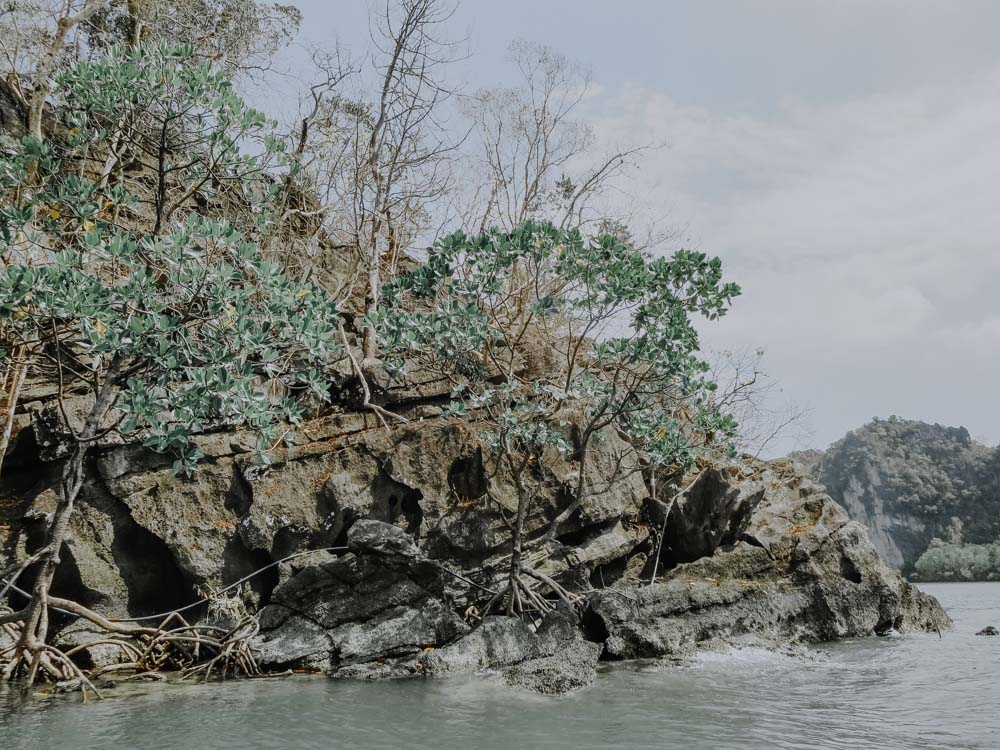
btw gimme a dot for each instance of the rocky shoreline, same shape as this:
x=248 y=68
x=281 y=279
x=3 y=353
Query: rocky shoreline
x=752 y=553
x=371 y=613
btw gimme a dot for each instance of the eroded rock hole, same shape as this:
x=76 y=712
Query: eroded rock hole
x=608 y=574
x=22 y=463
x=849 y=570
x=467 y=477
x=711 y=515
x=596 y=631
x=239 y=562
x=152 y=577
x=264 y=583
x=239 y=498
x=396 y=503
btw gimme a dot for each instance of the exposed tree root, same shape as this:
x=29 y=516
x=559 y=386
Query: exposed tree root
x=174 y=645
x=523 y=595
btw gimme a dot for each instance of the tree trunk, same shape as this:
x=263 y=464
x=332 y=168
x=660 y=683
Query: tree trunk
x=370 y=346
x=137 y=13
x=516 y=542
x=47 y=65
x=20 y=372
x=35 y=632
x=36 y=623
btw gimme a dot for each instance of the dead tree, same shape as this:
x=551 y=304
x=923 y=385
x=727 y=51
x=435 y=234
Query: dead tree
x=538 y=158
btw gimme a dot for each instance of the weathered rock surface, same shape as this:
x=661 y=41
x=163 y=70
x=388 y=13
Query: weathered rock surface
x=798 y=571
x=384 y=600
x=398 y=538
x=553 y=659
x=571 y=668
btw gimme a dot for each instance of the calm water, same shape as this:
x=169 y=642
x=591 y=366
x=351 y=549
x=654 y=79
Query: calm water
x=918 y=691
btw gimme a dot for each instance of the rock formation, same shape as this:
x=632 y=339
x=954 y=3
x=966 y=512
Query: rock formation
x=410 y=537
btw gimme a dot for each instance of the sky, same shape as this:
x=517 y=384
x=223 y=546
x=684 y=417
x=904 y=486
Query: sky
x=841 y=157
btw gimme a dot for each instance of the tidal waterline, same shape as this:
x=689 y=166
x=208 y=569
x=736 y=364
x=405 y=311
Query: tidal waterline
x=914 y=691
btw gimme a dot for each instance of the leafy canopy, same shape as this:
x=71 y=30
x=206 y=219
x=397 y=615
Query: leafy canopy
x=543 y=327
x=181 y=316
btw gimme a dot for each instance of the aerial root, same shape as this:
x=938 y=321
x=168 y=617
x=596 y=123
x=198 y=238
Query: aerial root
x=199 y=650
x=523 y=598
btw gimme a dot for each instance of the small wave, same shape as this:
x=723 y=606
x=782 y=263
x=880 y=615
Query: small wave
x=757 y=655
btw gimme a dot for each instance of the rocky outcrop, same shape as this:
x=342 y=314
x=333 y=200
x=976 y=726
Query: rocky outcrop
x=383 y=610
x=388 y=544
x=798 y=571
x=776 y=562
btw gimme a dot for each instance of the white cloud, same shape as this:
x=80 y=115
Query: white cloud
x=866 y=234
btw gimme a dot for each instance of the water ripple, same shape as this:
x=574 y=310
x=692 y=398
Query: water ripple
x=905 y=693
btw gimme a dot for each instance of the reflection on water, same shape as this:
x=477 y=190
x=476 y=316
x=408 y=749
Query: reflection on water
x=918 y=691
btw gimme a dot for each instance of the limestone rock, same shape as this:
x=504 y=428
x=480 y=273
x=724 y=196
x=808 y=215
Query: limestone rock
x=801 y=572
x=381 y=601
x=419 y=521
x=909 y=482
x=572 y=668
x=497 y=642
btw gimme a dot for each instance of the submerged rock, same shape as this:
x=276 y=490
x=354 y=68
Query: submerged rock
x=574 y=667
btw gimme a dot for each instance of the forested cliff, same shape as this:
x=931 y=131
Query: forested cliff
x=909 y=483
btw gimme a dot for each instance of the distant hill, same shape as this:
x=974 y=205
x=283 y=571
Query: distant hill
x=909 y=483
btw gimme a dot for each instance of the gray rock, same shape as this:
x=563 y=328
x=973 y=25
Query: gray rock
x=989 y=630
x=801 y=573
x=98 y=649
x=712 y=513
x=555 y=659
x=571 y=668
x=497 y=642
x=381 y=601
x=376 y=538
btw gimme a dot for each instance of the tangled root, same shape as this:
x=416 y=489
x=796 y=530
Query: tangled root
x=175 y=645
x=523 y=595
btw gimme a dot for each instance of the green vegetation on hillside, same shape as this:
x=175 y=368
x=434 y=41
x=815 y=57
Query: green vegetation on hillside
x=919 y=481
x=959 y=562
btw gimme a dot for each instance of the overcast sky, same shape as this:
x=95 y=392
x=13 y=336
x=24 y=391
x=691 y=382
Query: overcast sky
x=841 y=156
